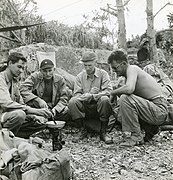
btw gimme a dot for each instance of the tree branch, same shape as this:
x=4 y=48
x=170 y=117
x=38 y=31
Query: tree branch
x=162 y=8
x=111 y=7
x=108 y=11
x=13 y=7
x=126 y=3
x=18 y=39
x=22 y=10
x=18 y=18
x=5 y=37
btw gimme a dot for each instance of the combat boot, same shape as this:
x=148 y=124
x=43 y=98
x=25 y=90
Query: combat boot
x=82 y=133
x=104 y=136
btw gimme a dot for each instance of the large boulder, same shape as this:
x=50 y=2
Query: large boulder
x=66 y=58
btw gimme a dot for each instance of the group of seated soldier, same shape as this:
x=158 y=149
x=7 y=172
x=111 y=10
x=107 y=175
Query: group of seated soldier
x=44 y=95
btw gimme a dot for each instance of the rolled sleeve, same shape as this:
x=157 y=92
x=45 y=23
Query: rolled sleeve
x=27 y=88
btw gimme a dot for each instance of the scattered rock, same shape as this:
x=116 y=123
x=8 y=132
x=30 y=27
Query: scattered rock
x=94 y=160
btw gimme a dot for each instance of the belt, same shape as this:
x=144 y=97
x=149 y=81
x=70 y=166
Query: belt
x=160 y=101
x=2 y=117
x=157 y=97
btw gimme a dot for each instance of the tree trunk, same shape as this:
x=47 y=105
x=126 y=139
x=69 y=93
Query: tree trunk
x=150 y=31
x=121 y=25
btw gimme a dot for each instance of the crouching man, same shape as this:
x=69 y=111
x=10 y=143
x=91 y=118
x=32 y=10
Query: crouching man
x=91 y=94
x=13 y=111
x=46 y=89
x=141 y=98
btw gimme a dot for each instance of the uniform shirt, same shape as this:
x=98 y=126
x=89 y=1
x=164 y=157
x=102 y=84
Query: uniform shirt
x=100 y=80
x=10 y=98
x=48 y=90
x=35 y=83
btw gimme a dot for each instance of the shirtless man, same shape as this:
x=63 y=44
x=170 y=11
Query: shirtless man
x=141 y=98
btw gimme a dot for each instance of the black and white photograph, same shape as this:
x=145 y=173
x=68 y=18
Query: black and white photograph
x=86 y=90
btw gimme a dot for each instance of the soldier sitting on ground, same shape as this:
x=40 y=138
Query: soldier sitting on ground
x=45 y=89
x=91 y=94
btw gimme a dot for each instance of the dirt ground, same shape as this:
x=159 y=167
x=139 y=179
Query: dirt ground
x=94 y=160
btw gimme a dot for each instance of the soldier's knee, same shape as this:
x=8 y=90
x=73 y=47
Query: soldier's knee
x=123 y=98
x=20 y=116
x=73 y=101
x=104 y=99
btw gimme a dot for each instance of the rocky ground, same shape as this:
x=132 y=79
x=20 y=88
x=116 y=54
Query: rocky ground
x=93 y=160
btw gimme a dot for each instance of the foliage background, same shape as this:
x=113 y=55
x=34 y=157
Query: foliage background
x=93 y=34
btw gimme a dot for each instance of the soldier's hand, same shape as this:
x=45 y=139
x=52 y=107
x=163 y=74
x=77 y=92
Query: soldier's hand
x=66 y=109
x=41 y=103
x=87 y=97
x=44 y=112
x=53 y=112
x=94 y=90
